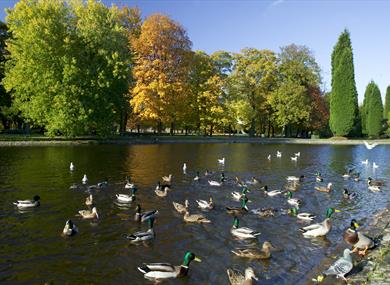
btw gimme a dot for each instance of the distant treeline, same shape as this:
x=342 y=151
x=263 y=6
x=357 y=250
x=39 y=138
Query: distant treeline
x=76 y=68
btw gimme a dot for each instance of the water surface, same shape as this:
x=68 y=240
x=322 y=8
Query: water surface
x=32 y=250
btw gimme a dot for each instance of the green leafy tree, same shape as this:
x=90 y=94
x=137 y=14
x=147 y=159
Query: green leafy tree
x=343 y=102
x=68 y=65
x=386 y=108
x=5 y=97
x=374 y=112
x=364 y=107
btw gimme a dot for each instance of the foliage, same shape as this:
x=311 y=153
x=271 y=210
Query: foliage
x=343 y=102
x=364 y=107
x=374 y=112
x=161 y=71
x=386 y=108
x=68 y=65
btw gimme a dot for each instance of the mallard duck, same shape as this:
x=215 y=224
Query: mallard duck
x=239 y=210
x=102 y=184
x=207 y=172
x=294 y=186
x=240 y=183
x=158 y=271
x=302 y=216
x=374 y=165
x=89 y=214
x=293 y=201
x=143 y=236
x=237 y=195
x=71 y=166
x=180 y=208
x=214 y=183
x=125 y=198
x=202 y=204
x=320 y=229
x=197 y=177
x=374 y=188
x=358 y=240
x=142 y=217
x=348 y=195
x=272 y=193
x=167 y=179
x=340 y=268
x=295 y=178
x=356 y=177
x=129 y=185
x=326 y=189
x=319 y=177
x=162 y=190
x=376 y=182
x=242 y=233
x=348 y=174
x=221 y=160
x=253 y=181
x=89 y=201
x=22 y=204
x=255 y=253
x=70 y=228
x=264 y=212
x=195 y=218
x=85 y=179
x=237 y=278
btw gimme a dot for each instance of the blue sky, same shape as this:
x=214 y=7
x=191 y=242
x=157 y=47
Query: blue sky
x=233 y=25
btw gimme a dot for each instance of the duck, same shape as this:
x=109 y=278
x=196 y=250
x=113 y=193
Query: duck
x=142 y=217
x=221 y=160
x=237 y=195
x=298 y=154
x=167 y=179
x=85 y=179
x=255 y=253
x=124 y=198
x=264 y=212
x=214 y=183
x=293 y=201
x=294 y=158
x=89 y=214
x=185 y=168
x=159 y=271
x=207 y=172
x=294 y=186
x=348 y=195
x=240 y=183
x=204 y=205
x=197 y=177
x=269 y=157
x=302 y=216
x=360 y=242
x=70 y=229
x=374 y=165
x=348 y=174
x=71 y=166
x=239 y=210
x=374 y=188
x=180 y=208
x=74 y=186
x=23 y=204
x=319 y=229
x=365 y=162
x=319 y=177
x=237 y=278
x=143 y=235
x=340 y=267
x=102 y=184
x=295 y=178
x=89 y=201
x=253 y=181
x=242 y=233
x=129 y=185
x=271 y=193
x=326 y=189
x=376 y=182
x=195 y=218
x=356 y=177
x=162 y=193
x=370 y=146
x=278 y=154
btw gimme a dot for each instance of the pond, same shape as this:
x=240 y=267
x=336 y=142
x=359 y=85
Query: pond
x=32 y=250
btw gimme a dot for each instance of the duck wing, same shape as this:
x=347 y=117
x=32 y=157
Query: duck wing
x=162 y=267
x=236 y=277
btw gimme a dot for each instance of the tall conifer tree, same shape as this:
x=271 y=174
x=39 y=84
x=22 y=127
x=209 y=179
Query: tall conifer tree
x=387 y=104
x=344 y=116
x=374 y=112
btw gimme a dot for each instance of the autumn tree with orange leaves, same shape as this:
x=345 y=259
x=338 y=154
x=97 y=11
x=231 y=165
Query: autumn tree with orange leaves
x=163 y=51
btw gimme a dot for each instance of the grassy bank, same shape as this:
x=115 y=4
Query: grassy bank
x=16 y=140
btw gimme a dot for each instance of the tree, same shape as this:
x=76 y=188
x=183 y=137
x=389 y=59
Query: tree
x=374 y=112
x=364 y=108
x=251 y=81
x=65 y=73
x=343 y=102
x=5 y=97
x=387 y=104
x=161 y=71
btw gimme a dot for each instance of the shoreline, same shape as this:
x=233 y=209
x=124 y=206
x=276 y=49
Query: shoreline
x=139 y=140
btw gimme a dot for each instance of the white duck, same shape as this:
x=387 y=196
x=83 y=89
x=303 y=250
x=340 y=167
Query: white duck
x=298 y=154
x=242 y=233
x=365 y=162
x=23 y=204
x=295 y=178
x=185 y=168
x=85 y=179
x=71 y=166
x=271 y=193
x=203 y=204
x=70 y=228
x=294 y=158
x=87 y=214
x=167 y=179
x=214 y=183
x=221 y=160
x=125 y=198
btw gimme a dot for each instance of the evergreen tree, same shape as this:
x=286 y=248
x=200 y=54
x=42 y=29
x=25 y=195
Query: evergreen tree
x=344 y=118
x=387 y=104
x=374 y=112
x=364 y=107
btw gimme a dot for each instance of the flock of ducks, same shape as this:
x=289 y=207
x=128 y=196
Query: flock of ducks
x=158 y=271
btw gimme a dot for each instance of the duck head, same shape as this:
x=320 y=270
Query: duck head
x=330 y=211
x=188 y=257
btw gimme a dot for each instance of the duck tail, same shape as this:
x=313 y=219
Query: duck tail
x=144 y=269
x=302 y=230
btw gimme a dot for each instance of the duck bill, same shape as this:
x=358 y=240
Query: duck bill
x=197 y=259
x=255 y=278
x=356 y=225
x=337 y=211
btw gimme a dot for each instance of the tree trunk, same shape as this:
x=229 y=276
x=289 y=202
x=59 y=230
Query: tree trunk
x=211 y=130
x=159 y=128
x=123 y=123
x=138 y=128
x=269 y=128
x=172 y=130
